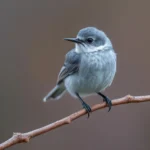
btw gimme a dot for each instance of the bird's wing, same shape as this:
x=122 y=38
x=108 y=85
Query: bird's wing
x=71 y=65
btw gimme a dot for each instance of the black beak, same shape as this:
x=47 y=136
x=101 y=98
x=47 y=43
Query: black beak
x=75 y=40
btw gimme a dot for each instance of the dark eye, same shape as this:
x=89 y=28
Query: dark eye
x=89 y=40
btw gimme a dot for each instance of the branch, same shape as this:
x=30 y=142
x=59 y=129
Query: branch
x=25 y=137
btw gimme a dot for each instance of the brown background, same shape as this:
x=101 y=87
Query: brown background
x=32 y=52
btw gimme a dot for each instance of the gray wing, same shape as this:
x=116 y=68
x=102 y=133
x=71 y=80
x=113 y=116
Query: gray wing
x=71 y=65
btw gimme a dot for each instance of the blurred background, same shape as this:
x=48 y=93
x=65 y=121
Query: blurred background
x=32 y=52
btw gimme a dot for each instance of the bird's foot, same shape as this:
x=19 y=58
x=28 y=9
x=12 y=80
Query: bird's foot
x=85 y=105
x=87 y=108
x=107 y=100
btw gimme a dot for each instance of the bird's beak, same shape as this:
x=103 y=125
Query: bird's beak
x=75 y=40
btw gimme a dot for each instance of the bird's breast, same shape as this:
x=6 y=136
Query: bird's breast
x=96 y=72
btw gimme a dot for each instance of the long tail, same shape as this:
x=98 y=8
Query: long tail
x=55 y=93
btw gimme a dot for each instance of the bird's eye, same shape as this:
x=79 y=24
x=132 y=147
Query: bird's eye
x=89 y=40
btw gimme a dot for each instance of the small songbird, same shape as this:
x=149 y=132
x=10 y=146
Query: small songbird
x=89 y=68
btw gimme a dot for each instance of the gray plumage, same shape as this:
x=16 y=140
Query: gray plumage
x=96 y=72
x=89 y=68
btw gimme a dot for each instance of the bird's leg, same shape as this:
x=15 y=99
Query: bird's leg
x=106 y=99
x=85 y=106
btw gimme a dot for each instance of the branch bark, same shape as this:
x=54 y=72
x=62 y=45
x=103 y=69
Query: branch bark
x=25 y=137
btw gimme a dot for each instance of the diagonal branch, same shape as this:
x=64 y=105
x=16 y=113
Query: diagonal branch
x=25 y=137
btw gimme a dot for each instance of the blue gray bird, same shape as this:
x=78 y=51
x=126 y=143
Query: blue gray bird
x=89 y=68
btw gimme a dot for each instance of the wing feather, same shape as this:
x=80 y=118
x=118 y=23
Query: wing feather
x=70 y=67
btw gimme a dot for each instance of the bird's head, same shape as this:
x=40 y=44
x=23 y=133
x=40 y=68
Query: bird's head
x=90 y=39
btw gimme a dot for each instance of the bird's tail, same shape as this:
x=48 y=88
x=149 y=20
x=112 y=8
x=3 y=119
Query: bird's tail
x=55 y=93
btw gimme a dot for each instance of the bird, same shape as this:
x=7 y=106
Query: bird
x=89 y=68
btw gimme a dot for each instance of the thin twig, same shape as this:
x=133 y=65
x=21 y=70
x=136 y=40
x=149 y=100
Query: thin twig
x=25 y=137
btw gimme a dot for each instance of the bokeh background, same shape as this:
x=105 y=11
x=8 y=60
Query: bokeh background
x=32 y=52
